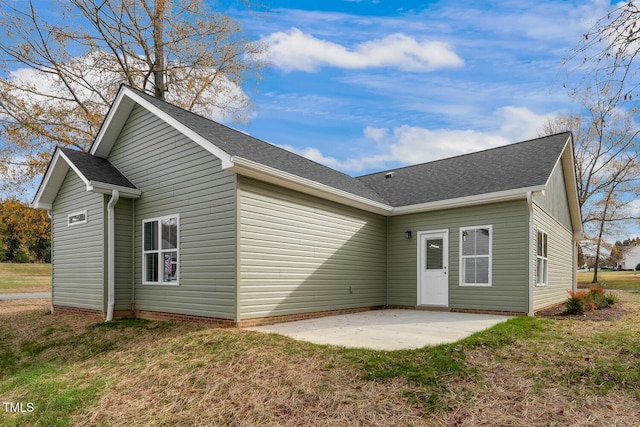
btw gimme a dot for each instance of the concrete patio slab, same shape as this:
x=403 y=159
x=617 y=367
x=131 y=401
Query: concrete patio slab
x=386 y=329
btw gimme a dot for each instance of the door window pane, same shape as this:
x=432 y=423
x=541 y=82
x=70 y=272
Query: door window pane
x=434 y=254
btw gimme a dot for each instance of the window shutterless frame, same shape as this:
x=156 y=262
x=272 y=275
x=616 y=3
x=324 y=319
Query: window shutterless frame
x=476 y=255
x=77 y=218
x=542 y=260
x=161 y=250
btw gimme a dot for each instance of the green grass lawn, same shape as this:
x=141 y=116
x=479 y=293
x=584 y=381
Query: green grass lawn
x=75 y=370
x=611 y=279
x=25 y=278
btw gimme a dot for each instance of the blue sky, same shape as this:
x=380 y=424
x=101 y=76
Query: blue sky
x=366 y=85
x=370 y=85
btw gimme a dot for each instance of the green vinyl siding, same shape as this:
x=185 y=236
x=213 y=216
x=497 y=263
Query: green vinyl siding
x=123 y=253
x=561 y=263
x=299 y=253
x=510 y=227
x=78 y=253
x=178 y=177
x=554 y=199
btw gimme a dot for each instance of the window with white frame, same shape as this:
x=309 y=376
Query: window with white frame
x=160 y=250
x=475 y=255
x=542 y=261
x=77 y=218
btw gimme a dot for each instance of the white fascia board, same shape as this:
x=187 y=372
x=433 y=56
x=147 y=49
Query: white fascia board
x=271 y=175
x=569 y=171
x=104 y=188
x=498 y=196
x=580 y=235
x=119 y=113
x=264 y=173
x=51 y=182
x=113 y=122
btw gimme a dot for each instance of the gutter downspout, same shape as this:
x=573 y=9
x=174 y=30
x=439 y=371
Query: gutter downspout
x=111 y=254
x=133 y=256
x=51 y=222
x=530 y=244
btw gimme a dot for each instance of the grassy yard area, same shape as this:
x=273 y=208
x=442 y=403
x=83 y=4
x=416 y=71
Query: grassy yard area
x=25 y=278
x=611 y=279
x=75 y=370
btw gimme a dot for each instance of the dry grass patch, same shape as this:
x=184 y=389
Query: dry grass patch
x=230 y=377
x=572 y=373
x=524 y=372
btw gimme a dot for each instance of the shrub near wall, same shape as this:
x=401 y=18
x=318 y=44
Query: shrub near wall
x=593 y=299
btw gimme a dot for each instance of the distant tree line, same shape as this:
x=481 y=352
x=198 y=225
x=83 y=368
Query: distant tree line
x=24 y=233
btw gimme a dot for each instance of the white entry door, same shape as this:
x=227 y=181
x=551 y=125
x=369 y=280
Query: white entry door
x=433 y=266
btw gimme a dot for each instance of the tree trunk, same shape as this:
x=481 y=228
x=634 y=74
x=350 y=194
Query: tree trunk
x=158 y=50
x=601 y=232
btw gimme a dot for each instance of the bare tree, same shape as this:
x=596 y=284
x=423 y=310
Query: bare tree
x=58 y=77
x=606 y=158
x=608 y=52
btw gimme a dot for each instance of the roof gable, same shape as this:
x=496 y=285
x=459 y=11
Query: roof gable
x=98 y=175
x=225 y=143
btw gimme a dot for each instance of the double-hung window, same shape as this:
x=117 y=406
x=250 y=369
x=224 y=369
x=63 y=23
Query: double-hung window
x=161 y=250
x=475 y=255
x=541 y=259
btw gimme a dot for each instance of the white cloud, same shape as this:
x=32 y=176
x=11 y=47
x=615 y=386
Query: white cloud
x=520 y=123
x=376 y=134
x=356 y=164
x=406 y=145
x=295 y=50
x=633 y=208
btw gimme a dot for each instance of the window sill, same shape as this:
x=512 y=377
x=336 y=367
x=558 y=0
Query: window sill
x=159 y=284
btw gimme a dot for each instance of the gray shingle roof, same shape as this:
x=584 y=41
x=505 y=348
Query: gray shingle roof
x=236 y=143
x=521 y=165
x=514 y=166
x=96 y=169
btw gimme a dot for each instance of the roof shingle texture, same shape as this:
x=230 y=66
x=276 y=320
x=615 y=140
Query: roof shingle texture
x=521 y=165
x=96 y=169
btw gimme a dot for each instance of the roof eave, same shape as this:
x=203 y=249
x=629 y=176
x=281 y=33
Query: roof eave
x=495 y=197
x=271 y=175
x=569 y=172
x=106 y=188
x=264 y=173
